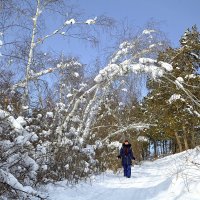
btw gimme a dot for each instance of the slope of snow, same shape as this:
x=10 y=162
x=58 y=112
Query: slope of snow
x=173 y=177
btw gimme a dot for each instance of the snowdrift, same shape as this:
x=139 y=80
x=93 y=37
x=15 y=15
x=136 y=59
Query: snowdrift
x=173 y=177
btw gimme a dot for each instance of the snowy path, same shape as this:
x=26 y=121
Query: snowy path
x=159 y=180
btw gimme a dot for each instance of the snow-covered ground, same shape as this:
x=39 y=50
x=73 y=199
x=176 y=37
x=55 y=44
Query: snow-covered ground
x=175 y=177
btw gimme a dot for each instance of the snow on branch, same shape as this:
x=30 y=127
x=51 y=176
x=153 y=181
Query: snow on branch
x=58 y=30
x=15 y=155
x=175 y=97
x=148 y=31
x=88 y=115
x=71 y=21
x=91 y=21
x=130 y=57
x=9 y=179
x=147 y=65
x=67 y=24
x=137 y=126
x=44 y=72
x=142 y=45
x=76 y=104
x=186 y=91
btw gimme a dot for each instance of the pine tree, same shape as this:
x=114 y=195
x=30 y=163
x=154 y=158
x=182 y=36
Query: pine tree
x=173 y=100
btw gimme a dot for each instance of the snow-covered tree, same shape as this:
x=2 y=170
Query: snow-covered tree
x=18 y=167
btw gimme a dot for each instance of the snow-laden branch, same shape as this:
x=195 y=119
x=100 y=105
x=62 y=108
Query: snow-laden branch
x=187 y=92
x=87 y=113
x=142 y=45
x=59 y=30
x=125 y=59
x=136 y=126
x=44 y=72
x=68 y=24
x=76 y=105
x=9 y=179
x=14 y=154
x=147 y=65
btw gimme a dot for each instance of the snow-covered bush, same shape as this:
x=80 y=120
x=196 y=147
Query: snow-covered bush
x=68 y=158
x=18 y=168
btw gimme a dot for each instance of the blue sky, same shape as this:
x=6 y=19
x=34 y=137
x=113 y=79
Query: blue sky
x=174 y=16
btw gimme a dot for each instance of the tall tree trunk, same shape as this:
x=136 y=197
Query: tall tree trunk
x=163 y=147
x=39 y=93
x=174 y=146
x=178 y=142
x=171 y=147
x=185 y=142
x=185 y=138
x=155 y=149
x=193 y=142
x=167 y=146
x=30 y=56
x=149 y=150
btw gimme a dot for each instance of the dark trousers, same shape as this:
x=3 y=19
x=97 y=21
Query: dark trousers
x=127 y=170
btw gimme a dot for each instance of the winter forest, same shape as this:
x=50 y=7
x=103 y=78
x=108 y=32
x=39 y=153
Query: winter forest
x=63 y=120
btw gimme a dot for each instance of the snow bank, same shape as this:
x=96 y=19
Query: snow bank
x=175 y=177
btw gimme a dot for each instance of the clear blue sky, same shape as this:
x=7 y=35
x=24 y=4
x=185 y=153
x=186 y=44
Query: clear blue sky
x=175 y=17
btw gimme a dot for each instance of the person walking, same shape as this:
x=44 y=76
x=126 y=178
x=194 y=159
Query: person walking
x=126 y=154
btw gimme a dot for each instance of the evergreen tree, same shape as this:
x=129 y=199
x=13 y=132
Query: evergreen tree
x=173 y=100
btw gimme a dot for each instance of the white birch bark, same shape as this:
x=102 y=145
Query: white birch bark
x=30 y=56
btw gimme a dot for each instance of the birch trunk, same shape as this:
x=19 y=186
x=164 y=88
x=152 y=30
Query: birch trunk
x=30 y=56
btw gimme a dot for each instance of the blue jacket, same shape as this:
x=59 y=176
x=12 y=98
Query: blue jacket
x=126 y=154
